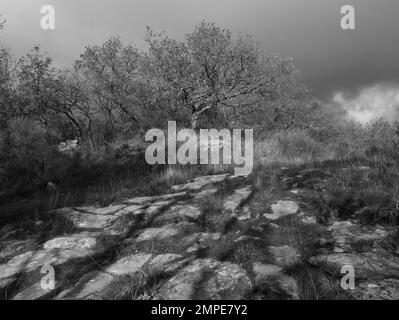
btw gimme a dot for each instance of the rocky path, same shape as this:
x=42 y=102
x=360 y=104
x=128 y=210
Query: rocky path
x=328 y=245
x=119 y=240
x=215 y=237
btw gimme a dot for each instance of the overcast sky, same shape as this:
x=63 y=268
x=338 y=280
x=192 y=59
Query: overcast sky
x=344 y=66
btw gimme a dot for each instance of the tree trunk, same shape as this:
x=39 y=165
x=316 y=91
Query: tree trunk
x=195 y=121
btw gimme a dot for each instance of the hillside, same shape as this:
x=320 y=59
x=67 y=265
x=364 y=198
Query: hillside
x=214 y=237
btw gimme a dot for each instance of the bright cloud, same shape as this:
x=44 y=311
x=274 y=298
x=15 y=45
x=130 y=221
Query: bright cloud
x=372 y=103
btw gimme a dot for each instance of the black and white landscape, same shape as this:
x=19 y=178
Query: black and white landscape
x=186 y=150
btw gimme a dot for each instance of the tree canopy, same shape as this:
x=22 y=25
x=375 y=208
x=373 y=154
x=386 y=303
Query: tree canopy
x=209 y=79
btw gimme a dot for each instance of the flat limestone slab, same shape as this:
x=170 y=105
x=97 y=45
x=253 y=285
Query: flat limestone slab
x=86 y=220
x=55 y=251
x=179 y=212
x=233 y=202
x=165 y=232
x=200 y=182
x=110 y=210
x=93 y=284
x=34 y=292
x=151 y=199
x=207 y=279
x=282 y=209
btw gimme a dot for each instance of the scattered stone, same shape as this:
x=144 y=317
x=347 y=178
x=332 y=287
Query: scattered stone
x=168 y=262
x=245 y=214
x=130 y=209
x=200 y=240
x=152 y=199
x=205 y=194
x=54 y=252
x=149 y=212
x=85 y=220
x=246 y=238
x=265 y=271
x=309 y=220
x=242 y=176
x=283 y=208
x=161 y=233
x=180 y=212
x=206 y=237
x=32 y=260
x=35 y=292
x=93 y=221
x=101 y=210
x=93 y=284
x=84 y=241
x=129 y=264
x=11 y=248
x=90 y=286
x=350 y=230
x=347 y=235
x=207 y=279
x=192 y=249
x=386 y=289
x=271 y=216
x=239 y=196
x=200 y=182
x=274 y=226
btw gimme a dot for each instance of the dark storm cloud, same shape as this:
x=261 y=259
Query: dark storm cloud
x=329 y=58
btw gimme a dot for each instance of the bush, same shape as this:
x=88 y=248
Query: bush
x=295 y=145
x=348 y=139
x=29 y=147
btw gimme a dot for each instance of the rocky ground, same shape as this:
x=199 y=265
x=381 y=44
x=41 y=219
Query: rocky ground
x=216 y=237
